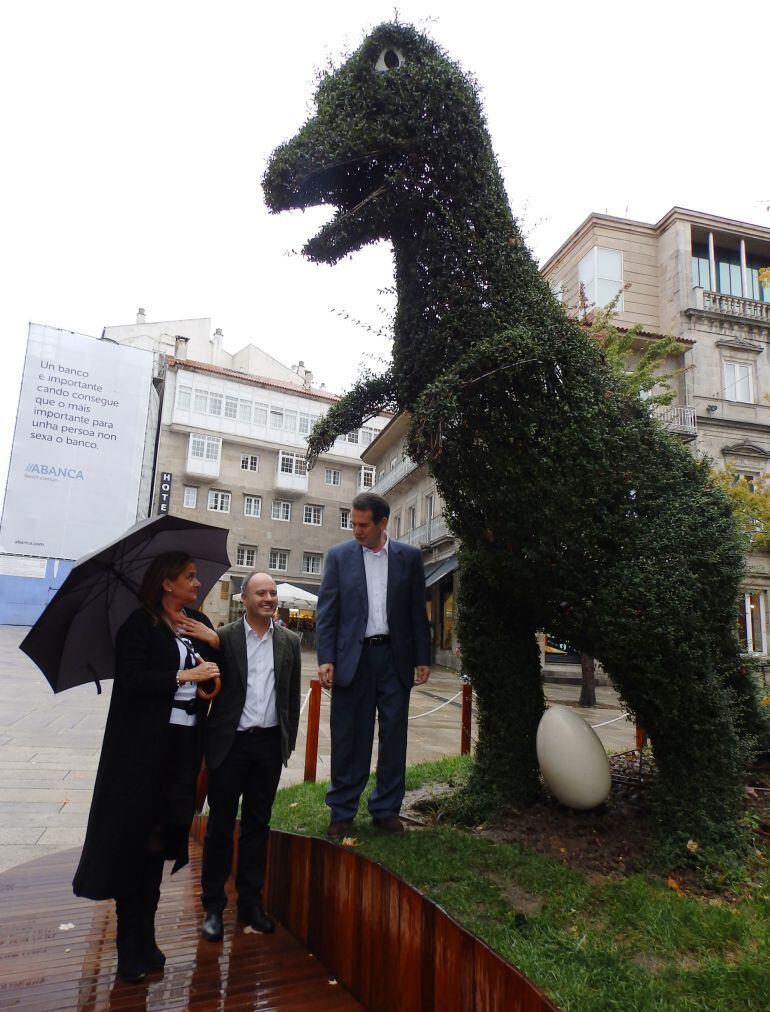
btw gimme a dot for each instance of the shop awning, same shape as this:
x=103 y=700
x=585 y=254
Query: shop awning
x=440 y=569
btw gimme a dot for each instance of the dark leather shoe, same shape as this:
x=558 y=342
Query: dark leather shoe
x=339 y=828
x=257 y=919
x=389 y=824
x=212 y=928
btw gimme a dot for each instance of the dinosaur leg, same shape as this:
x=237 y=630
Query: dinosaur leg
x=501 y=656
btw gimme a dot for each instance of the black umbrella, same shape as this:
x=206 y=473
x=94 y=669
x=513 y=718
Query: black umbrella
x=73 y=641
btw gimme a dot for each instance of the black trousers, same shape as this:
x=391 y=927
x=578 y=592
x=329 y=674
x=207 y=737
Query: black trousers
x=251 y=771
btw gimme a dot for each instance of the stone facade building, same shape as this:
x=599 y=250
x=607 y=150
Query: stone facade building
x=692 y=276
x=231 y=452
x=416 y=516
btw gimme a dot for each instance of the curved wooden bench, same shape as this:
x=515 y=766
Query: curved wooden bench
x=391 y=946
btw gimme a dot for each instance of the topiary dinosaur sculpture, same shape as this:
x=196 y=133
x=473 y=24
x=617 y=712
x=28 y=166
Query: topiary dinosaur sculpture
x=575 y=511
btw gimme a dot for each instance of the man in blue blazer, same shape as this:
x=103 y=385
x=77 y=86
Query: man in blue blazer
x=371 y=633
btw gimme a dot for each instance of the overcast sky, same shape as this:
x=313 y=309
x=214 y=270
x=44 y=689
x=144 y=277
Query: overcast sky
x=134 y=137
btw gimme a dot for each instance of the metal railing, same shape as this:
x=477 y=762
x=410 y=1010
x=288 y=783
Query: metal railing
x=431 y=530
x=394 y=476
x=679 y=418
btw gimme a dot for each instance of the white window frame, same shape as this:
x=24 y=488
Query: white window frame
x=201 y=401
x=751 y=646
x=221 y=501
x=231 y=407
x=246 y=556
x=283 y=512
x=276 y=418
x=367 y=471
x=274 y=560
x=190 y=497
x=588 y=273
x=345 y=515
x=216 y=401
x=732 y=382
x=315 y=513
x=332 y=476
x=255 y=502
x=209 y=447
x=184 y=397
x=310 y=558
x=260 y=414
x=250 y=462
x=290 y=462
x=244 y=411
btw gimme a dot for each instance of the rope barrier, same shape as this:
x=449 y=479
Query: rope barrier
x=604 y=723
x=426 y=713
x=304 y=702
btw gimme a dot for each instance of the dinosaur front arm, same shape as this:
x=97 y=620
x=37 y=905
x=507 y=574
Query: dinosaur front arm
x=367 y=398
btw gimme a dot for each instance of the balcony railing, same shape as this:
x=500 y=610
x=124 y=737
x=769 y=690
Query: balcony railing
x=732 y=305
x=679 y=418
x=393 y=477
x=431 y=530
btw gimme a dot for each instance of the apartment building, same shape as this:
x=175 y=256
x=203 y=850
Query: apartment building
x=416 y=516
x=693 y=276
x=231 y=452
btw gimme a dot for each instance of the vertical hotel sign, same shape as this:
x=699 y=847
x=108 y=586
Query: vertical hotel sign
x=76 y=462
x=164 y=492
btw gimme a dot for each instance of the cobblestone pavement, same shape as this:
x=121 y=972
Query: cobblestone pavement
x=49 y=745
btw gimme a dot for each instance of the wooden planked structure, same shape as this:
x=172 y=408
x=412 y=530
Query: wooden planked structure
x=388 y=946
x=395 y=949
x=45 y=969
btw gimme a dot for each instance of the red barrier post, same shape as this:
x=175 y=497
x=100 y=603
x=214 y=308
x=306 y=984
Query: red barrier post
x=641 y=736
x=465 y=739
x=311 y=739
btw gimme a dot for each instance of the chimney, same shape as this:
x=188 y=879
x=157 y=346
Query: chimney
x=216 y=342
x=307 y=379
x=180 y=347
x=140 y=316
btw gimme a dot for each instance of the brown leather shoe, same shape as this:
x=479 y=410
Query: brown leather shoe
x=389 y=824
x=339 y=828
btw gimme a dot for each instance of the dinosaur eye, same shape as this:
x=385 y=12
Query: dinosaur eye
x=389 y=59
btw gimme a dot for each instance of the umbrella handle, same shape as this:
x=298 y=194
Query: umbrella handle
x=202 y=694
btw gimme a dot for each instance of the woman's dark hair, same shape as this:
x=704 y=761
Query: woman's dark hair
x=380 y=508
x=167 y=566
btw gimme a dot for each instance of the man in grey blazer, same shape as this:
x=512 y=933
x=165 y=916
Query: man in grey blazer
x=251 y=731
x=372 y=632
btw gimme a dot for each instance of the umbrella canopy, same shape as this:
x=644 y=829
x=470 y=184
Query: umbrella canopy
x=290 y=596
x=73 y=641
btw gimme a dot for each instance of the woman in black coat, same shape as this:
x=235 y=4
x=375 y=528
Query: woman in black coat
x=144 y=796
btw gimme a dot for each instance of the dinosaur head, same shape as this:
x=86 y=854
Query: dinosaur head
x=388 y=125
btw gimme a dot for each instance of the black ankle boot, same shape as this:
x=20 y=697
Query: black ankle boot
x=131 y=964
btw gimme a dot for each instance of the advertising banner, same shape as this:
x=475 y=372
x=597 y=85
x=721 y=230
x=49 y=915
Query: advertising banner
x=76 y=462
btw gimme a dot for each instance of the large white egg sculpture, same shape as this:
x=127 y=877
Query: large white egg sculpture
x=572 y=759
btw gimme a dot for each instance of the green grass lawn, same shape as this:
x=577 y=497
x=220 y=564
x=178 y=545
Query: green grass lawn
x=606 y=943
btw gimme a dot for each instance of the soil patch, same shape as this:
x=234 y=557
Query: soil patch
x=611 y=840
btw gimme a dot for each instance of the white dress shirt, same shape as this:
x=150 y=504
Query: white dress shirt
x=376 y=569
x=259 y=710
